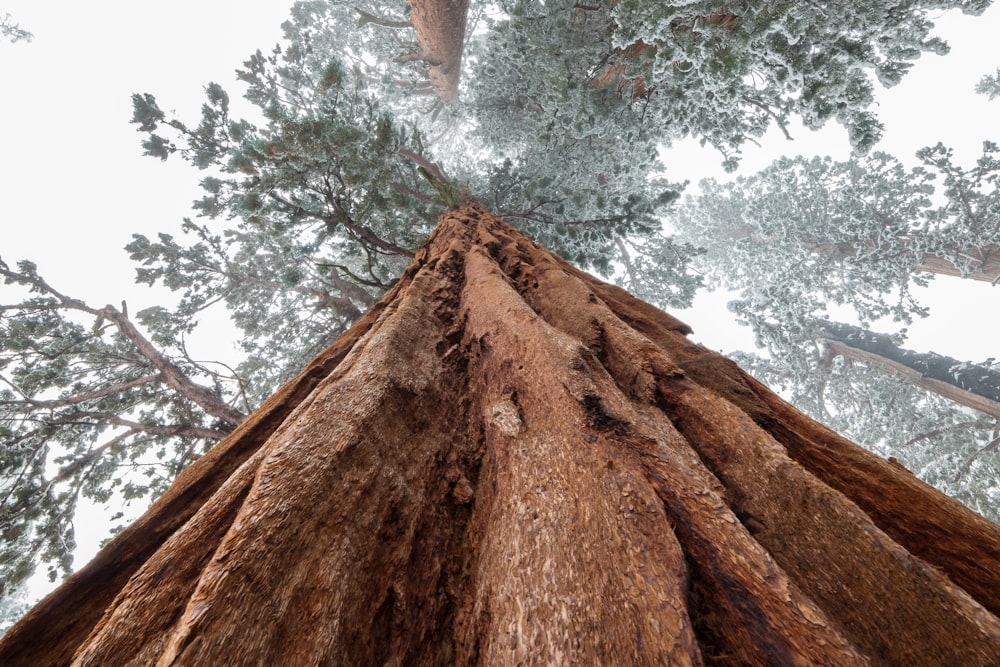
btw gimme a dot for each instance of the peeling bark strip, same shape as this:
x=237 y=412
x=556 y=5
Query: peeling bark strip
x=509 y=462
x=440 y=28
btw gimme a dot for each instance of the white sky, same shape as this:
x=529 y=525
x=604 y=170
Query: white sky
x=75 y=187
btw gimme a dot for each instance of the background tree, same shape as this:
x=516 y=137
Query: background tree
x=725 y=72
x=976 y=386
x=807 y=233
x=940 y=440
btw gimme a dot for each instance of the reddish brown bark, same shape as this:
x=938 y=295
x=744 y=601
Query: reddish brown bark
x=508 y=461
x=984 y=264
x=621 y=71
x=440 y=28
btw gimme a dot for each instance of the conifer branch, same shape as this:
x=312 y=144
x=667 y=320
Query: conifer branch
x=171 y=374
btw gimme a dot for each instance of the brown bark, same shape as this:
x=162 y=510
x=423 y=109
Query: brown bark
x=440 y=28
x=984 y=264
x=508 y=461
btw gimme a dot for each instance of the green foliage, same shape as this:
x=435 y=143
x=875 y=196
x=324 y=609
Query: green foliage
x=321 y=205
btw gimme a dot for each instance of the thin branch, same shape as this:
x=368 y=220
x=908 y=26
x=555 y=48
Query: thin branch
x=176 y=430
x=432 y=167
x=939 y=431
x=990 y=446
x=782 y=124
x=626 y=260
x=349 y=224
x=365 y=18
x=79 y=398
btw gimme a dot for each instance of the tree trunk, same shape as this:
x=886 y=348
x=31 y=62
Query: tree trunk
x=440 y=28
x=508 y=461
x=972 y=385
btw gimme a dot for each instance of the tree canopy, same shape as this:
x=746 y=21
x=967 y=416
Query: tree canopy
x=323 y=180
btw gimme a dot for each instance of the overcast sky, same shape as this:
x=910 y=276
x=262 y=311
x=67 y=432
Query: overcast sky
x=75 y=186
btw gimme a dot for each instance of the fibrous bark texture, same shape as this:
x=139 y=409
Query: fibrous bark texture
x=440 y=28
x=508 y=461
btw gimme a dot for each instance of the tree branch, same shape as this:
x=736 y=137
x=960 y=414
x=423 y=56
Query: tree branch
x=171 y=374
x=80 y=398
x=177 y=430
x=349 y=224
x=990 y=446
x=365 y=18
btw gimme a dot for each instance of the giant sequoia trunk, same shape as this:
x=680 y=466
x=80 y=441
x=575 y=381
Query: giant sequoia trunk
x=440 y=28
x=507 y=461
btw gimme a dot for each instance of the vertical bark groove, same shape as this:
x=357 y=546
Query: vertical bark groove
x=509 y=462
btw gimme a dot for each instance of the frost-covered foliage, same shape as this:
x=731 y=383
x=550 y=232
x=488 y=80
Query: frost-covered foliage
x=373 y=40
x=315 y=200
x=90 y=408
x=950 y=447
x=989 y=85
x=315 y=211
x=805 y=234
x=563 y=149
x=966 y=229
x=659 y=270
x=12 y=31
x=724 y=72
